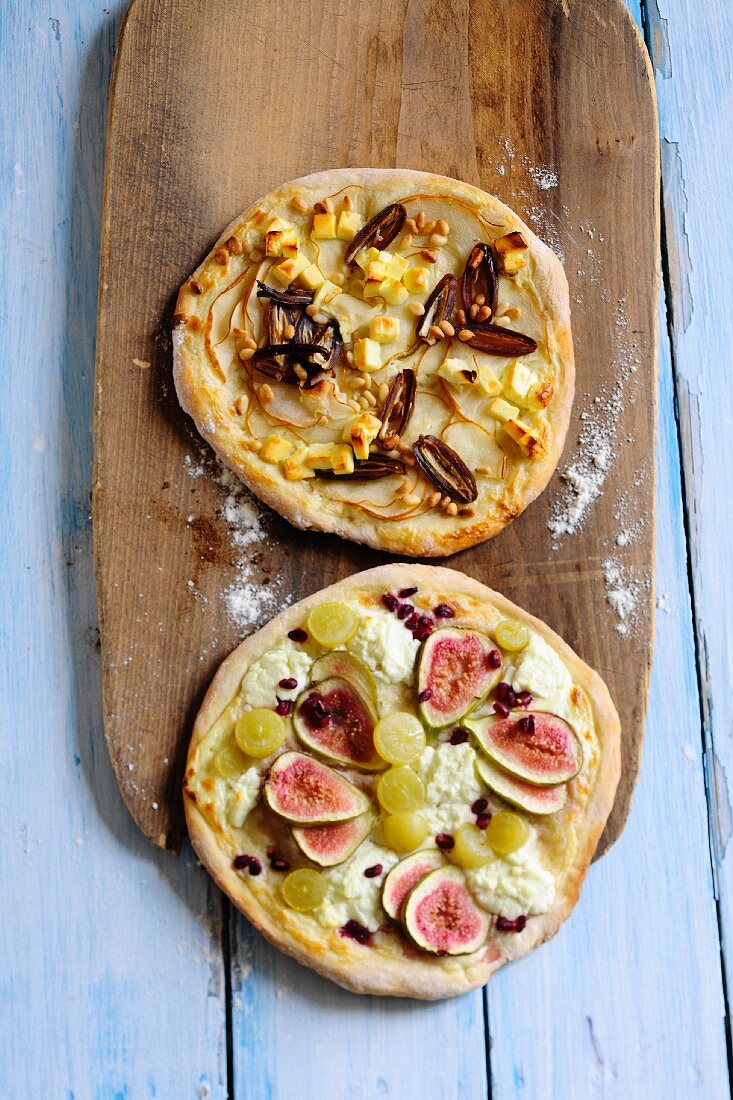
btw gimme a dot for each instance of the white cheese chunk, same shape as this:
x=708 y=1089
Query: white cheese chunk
x=260 y=681
x=244 y=792
x=385 y=646
x=451 y=785
x=540 y=671
x=351 y=895
x=513 y=885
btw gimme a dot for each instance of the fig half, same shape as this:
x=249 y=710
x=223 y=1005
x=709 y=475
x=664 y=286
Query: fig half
x=306 y=792
x=519 y=793
x=335 y=720
x=441 y=917
x=405 y=876
x=329 y=845
x=453 y=675
x=537 y=747
x=341 y=664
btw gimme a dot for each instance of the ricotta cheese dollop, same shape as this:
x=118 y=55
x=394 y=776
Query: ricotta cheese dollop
x=451 y=785
x=353 y=896
x=260 y=681
x=385 y=646
x=514 y=885
x=243 y=795
x=539 y=670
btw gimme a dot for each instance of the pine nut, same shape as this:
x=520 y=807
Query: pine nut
x=452 y=508
x=221 y=256
x=480 y=299
x=384 y=391
x=415 y=308
x=436 y=332
x=289 y=332
x=473 y=311
x=266 y=394
x=338 y=278
x=437 y=240
x=299 y=203
x=410 y=226
x=515 y=313
x=442 y=227
x=420 y=219
x=245 y=354
x=447 y=328
x=240 y=405
x=433 y=499
x=483 y=314
x=465 y=334
x=461 y=317
x=428 y=228
x=428 y=255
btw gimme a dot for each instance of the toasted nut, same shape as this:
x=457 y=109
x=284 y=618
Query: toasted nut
x=311 y=310
x=221 y=256
x=483 y=314
x=247 y=341
x=367 y=380
x=405 y=242
x=442 y=227
x=411 y=498
x=346 y=203
x=410 y=226
x=348 y=355
x=461 y=317
x=289 y=332
x=299 y=203
x=301 y=372
x=235 y=246
x=452 y=508
x=392 y=442
x=445 y=501
x=515 y=313
x=240 y=405
x=338 y=278
x=246 y=354
x=196 y=287
x=359 y=383
x=480 y=299
x=415 y=308
x=383 y=391
x=420 y=220
x=363 y=401
x=428 y=255
x=437 y=240
x=465 y=334
x=502 y=308
x=256 y=256
x=428 y=227
x=321 y=318
x=353 y=404
x=433 y=499
x=447 y=328
x=473 y=312
x=504 y=321
x=266 y=394
x=483 y=471
x=436 y=332
x=370 y=398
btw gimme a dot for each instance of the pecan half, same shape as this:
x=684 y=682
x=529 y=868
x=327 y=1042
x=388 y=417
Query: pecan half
x=445 y=468
x=293 y=296
x=439 y=306
x=480 y=277
x=369 y=469
x=496 y=340
x=398 y=406
x=379 y=232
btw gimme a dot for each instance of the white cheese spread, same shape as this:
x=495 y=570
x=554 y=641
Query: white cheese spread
x=513 y=885
x=260 y=681
x=243 y=796
x=540 y=671
x=385 y=646
x=451 y=785
x=353 y=896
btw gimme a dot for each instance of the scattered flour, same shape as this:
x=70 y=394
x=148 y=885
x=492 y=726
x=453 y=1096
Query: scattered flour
x=622 y=594
x=545 y=178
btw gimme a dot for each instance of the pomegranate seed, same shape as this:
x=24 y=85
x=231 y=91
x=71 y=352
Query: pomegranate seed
x=255 y=867
x=284 y=707
x=494 y=659
x=503 y=924
x=289 y=682
x=390 y=602
x=240 y=863
x=444 y=611
x=424 y=629
x=524 y=699
x=482 y=821
x=279 y=865
x=444 y=841
x=505 y=693
x=297 y=635
x=458 y=737
x=412 y=621
x=501 y=709
x=405 y=592
x=404 y=610
x=425 y=695
x=526 y=724
x=355 y=931
x=479 y=806
x=373 y=872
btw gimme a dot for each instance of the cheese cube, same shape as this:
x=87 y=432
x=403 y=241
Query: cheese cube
x=361 y=431
x=459 y=372
x=526 y=438
x=349 y=225
x=487 y=381
x=338 y=457
x=512 y=248
x=367 y=355
x=384 y=329
x=326 y=293
x=517 y=383
x=416 y=279
x=540 y=396
x=295 y=469
x=365 y=257
x=396 y=265
x=324 y=227
x=311 y=277
x=281 y=242
x=393 y=292
x=276 y=224
x=502 y=410
x=289 y=269
x=376 y=271
x=275 y=449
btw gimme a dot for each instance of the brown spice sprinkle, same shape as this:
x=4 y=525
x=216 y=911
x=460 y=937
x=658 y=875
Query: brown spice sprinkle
x=266 y=394
x=196 y=287
x=221 y=256
x=465 y=334
x=298 y=203
x=235 y=246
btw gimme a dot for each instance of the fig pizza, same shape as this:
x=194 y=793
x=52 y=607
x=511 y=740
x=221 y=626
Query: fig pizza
x=402 y=779
x=381 y=353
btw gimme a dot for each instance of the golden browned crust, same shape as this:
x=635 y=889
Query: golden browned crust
x=296 y=500
x=345 y=962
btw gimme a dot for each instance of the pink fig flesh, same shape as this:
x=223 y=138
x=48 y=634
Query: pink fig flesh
x=455 y=667
x=404 y=877
x=306 y=792
x=543 y=751
x=441 y=917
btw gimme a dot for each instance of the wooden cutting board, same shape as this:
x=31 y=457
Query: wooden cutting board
x=549 y=105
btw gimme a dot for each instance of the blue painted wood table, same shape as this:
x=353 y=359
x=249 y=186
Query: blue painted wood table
x=122 y=971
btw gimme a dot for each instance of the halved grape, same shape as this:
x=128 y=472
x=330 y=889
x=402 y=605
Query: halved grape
x=303 y=889
x=471 y=848
x=507 y=832
x=333 y=624
x=511 y=635
x=259 y=732
x=404 y=832
x=399 y=790
x=229 y=761
x=399 y=738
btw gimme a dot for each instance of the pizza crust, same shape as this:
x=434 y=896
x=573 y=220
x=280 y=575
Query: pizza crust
x=296 y=500
x=352 y=965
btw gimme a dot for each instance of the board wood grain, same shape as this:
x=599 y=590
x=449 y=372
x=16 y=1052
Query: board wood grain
x=548 y=105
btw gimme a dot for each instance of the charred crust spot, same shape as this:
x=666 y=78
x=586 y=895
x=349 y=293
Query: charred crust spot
x=195 y=286
x=194 y=324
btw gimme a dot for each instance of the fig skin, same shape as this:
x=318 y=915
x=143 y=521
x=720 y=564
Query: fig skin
x=347 y=740
x=518 y=792
x=334 y=843
x=449 y=885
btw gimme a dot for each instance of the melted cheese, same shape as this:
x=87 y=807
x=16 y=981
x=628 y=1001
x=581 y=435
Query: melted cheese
x=262 y=678
x=385 y=646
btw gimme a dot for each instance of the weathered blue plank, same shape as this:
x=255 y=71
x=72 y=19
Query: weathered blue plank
x=111 y=982
x=692 y=49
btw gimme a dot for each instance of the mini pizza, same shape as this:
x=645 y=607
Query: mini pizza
x=402 y=779
x=384 y=354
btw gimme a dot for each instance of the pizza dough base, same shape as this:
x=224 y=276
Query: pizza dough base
x=345 y=962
